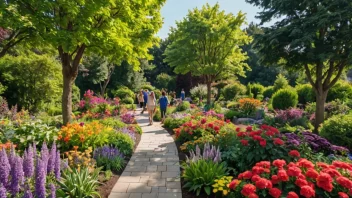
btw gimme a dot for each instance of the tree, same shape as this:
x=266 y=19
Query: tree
x=313 y=36
x=123 y=28
x=207 y=43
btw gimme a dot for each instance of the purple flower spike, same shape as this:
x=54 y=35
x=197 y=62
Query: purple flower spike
x=16 y=175
x=27 y=192
x=52 y=158
x=57 y=165
x=53 y=191
x=45 y=156
x=40 y=179
x=2 y=191
x=4 y=168
x=28 y=162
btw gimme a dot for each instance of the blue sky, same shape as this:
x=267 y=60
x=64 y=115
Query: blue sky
x=175 y=10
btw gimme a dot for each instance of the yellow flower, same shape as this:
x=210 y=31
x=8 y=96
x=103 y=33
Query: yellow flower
x=225 y=192
x=215 y=190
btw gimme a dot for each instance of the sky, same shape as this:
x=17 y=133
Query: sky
x=175 y=10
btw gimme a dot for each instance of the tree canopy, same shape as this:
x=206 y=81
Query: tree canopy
x=207 y=42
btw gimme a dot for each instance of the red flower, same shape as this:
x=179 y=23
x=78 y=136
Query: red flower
x=248 y=189
x=311 y=173
x=278 y=141
x=255 y=178
x=305 y=163
x=279 y=163
x=228 y=121
x=324 y=181
x=203 y=120
x=293 y=171
x=332 y=172
x=210 y=125
x=257 y=170
x=245 y=175
x=282 y=175
x=294 y=153
x=263 y=183
x=307 y=191
x=275 y=192
x=262 y=143
x=344 y=182
x=216 y=128
x=301 y=182
x=253 y=195
x=234 y=183
x=343 y=195
x=244 y=142
x=249 y=128
x=275 y=179
x=264 y=164
x=241 y=134
x=292 y=195
x=238 y=129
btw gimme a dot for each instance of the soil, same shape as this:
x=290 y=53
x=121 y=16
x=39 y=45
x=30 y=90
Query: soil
x=106 y=187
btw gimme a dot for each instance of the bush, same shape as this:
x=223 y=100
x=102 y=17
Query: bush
x=257 y=89
x=113 y=122
x=127 y=100
x=157 y=93
x=164 y=80
x=199 y=91
x=53 y=110
x=124 y=92
x=123 y=142
x=342 y=90
x=285 y=99
x=280 y=83
x=231 y=91
x=149 y=87
x=157 y=115
x=305 y=93
x=183 y=106
x=249 y=105
x=231 y=113
x=338 y=130
x=136 y=128
x=172 y=123
x=109 y=157
x=268 y=92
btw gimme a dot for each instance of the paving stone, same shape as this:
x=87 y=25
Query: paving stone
x=173 y=179
x=173 y=168
x=120 y=187
x=156 y=182
x=149 y=195
x=119 y=195
x=170 y=174
x=128 y=179
x=170 y=195
x=173 y=190
x=136 y=168
x=135 y=195
x=139 y=187
x=161 y=168
x=173 y=185
x=125 y=173
x=162 y=189
x=152 y=168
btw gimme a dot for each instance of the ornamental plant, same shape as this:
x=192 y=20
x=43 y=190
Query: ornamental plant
x=249 y=105
x=210 y=152
x=302 y=178
x=77 y=159
x=109 y=157
x=128 y=118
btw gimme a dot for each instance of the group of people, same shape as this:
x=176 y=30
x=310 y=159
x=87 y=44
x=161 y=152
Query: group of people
x=147 y=101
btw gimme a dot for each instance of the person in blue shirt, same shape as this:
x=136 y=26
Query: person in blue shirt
x=145 y=96
x=183 y=94
x=163 y=101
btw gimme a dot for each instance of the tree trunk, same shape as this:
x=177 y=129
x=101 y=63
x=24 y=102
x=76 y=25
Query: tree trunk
x=320 y=110
x=67 y=95
x=208 y=93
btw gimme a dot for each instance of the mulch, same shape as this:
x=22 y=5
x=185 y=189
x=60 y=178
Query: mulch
x=105 y=188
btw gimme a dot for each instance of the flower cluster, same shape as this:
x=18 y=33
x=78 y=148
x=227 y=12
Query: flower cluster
x=316 y=142
x=222 y=185
x=7 y=146
x=290 y=180
x=178 y=115
x=128 y=118
x=289 y=114
x=89 y=100
x=128 y=131
x=77 y=159
x=107 y=152
x=214 y=114
x=260 y=136
x=209 y=153
x=249 y=105
x=17 y=173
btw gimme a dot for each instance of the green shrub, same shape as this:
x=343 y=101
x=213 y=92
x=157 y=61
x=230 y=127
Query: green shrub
x=108 y=161
x=231 y=91
x=149 y=87
x=157 y=115
x=113 y=122
x=123 y=92
x=123 y=142
x=127 y=100
x=231 y=113
x=342 y=90
x=157 y=93
x=53 y=110
x=305 y=93
x=137 y=128
x=280 y=83
x=257 y=89
x=268 y=92
x=232 y=105
x=200 y=175
x=285 y=99
x=338 y=130
x=199 y=91
x=185 y=105
x=171 y=123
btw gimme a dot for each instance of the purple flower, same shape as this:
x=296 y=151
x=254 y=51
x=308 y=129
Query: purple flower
x=289 y=114
x=52 y=158
x=209 y=153
x=40 y=179
x=44 y=154
x=28 y=162
x=131 y=133
x=107 y=152
x=127 y=118
x=2 y=191
x=27 y=192
x=57 y=165
x=16 y=175
x=53 y=191
x=4 y=168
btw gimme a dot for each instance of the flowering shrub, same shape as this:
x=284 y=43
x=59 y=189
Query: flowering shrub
x=77 y=159
x=249 y=105
x=129 y=132
x=214 y=114
x=18 y=174
x=128 y=118
x=209 y=153
x=109 y=157
x=284 y=116
x=304 y=178
x=200 y=142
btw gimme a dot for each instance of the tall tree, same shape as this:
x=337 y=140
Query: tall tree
x=313 y=35
x=207 y=42
x=123 y=28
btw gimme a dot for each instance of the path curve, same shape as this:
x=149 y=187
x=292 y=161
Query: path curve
x=153 y=170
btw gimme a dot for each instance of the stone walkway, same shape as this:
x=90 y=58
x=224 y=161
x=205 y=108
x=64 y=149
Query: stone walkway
x=154 y=170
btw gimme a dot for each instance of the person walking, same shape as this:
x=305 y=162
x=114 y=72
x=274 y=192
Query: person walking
x=183 y=94
x=140 y=98
x=163 y=101
x=151 y=106
x=145 y=98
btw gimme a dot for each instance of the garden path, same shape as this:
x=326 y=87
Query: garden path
x=154 y=170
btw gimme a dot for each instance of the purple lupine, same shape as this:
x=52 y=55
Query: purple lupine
x=44 y=154
x=34 y=150
x=16 y=175
x=52 y=158
x=40 y=179
x=4 y=168
x=12 y=155
x=129 y=132
x=107 y=152
x=57 y=165
x=28 y=162
x=2 y=191
x=52 y=191
x=27 y=192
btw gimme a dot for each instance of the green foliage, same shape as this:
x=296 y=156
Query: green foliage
x=115 y=164
x=337 y=130
x=199 y=91
x=285 y=99
x=137 y=128
x=78 y=183
x=148 y=87
x=113 y=122
x=122 y=141
x=232 y=113
x=157 y=93
x=127 y=100
x=336 y=107
x=172 y=123
x=185 y=105
x=305 y=93
x=123 y=92
x=257 y=89
x=31 y=80
x=231 y=91
x=200 y=175
x=165 y=81
x=280 y=83
x=157 y=115
x=342 y=90
x=268 y=92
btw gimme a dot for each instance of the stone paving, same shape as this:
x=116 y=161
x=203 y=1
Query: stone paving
x=154 y=170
